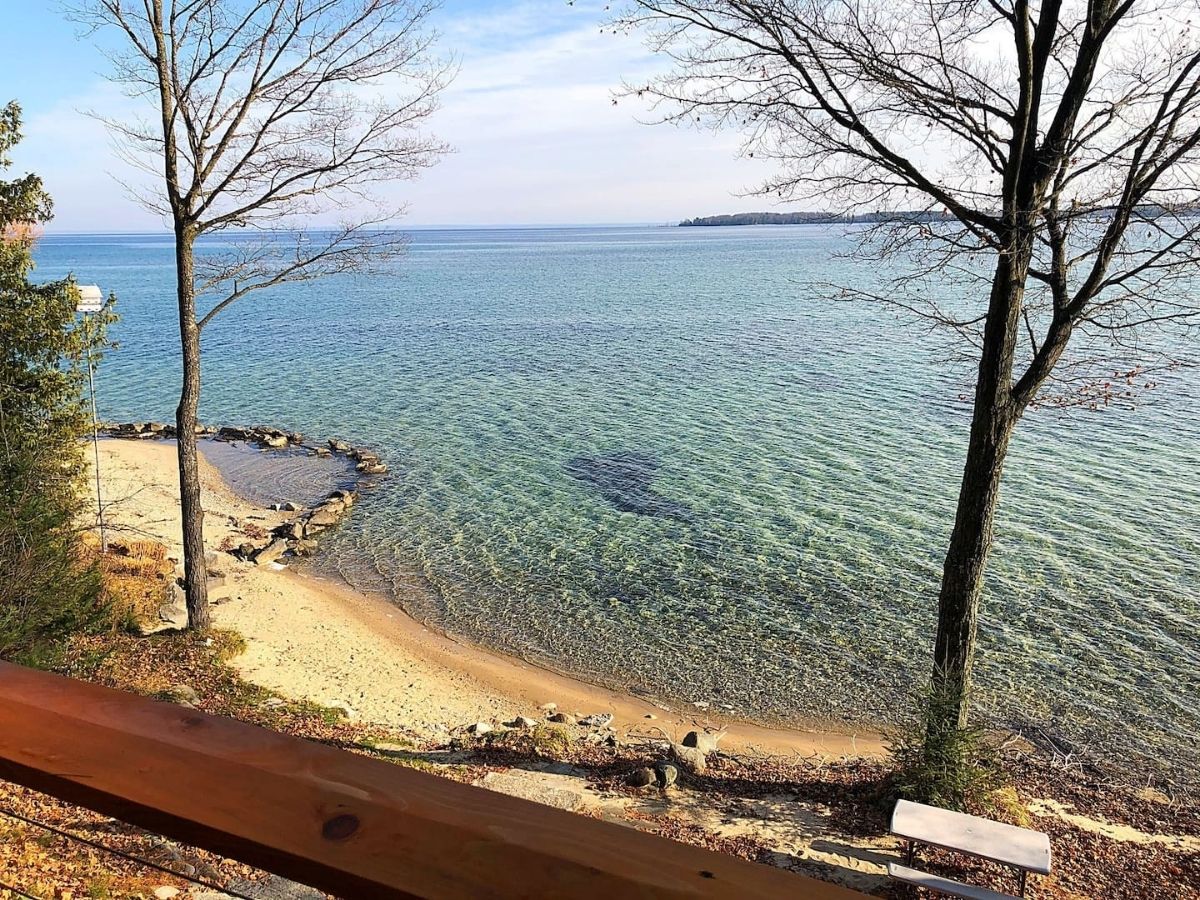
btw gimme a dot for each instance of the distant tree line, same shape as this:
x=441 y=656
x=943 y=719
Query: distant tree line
x=810 y=218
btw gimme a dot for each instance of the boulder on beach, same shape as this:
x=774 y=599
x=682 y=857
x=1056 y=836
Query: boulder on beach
x=293 y=530
x=271 y=552
x=325 y=516
x=704 y=741
x=643 y=777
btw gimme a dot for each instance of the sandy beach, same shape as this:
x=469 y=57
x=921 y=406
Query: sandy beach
x=316 y=639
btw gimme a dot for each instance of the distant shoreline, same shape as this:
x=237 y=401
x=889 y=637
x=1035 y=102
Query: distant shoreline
x=810 y=218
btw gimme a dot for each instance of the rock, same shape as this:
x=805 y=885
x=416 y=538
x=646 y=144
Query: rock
x=290 y=506
x=293 y=530
x=548 y=707
x=597 y=720
x=479 y=728
x=173 y=613
x=649 y=716
x=521 y=722
x=156 y=427
x=323 y=452
x=304 y=547
x=643 y=777
x=275 y=441
x=705 y=742
x=230 y=433
x=339 y=446
x=371 y=468
x=667 y=774
x=346 y=497
x=247 y=549
x=563 y=719
x=166 y=892
x=295 y=437
x=183 y=694
x=691 y=758
x=325 y=516
x=271 y=552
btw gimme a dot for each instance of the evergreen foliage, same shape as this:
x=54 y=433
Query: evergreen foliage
x=48 y=585
x=940 y=763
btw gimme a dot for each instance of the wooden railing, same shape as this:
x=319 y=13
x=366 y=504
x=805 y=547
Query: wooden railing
x=346 y=824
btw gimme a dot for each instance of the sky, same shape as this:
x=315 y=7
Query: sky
x=536 y=137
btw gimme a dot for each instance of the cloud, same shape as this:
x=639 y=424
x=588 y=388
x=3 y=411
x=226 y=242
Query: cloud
x=531 y=116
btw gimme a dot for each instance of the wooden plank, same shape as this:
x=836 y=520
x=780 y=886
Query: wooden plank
x=1007 y=844
x=942 y=885
x=343 y=823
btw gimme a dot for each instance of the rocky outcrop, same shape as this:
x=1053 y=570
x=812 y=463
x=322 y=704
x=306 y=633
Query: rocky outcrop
x=297 y=536
x=269 y=438
x=150 y=430
x=263 y=436
x=365 y=462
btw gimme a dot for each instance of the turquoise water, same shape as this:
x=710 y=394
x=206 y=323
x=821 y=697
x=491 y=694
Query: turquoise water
x=660 y=458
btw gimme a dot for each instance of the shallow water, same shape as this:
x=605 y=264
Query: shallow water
x=660 y=458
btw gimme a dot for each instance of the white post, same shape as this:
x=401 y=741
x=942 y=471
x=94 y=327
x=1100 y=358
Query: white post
x=91 y=301
x=96 y=451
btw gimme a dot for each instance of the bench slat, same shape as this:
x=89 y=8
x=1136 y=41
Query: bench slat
x=944 y=885
x=1006 y=844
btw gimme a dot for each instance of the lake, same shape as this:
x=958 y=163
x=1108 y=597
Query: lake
x=664 y=459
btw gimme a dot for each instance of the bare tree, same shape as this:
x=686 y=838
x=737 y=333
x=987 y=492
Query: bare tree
x=267 y=115
x=1039 y=162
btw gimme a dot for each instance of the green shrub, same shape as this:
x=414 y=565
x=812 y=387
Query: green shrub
x=49 y=583
x=942 y=764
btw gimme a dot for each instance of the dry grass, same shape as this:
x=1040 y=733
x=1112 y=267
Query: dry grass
x=137 y=578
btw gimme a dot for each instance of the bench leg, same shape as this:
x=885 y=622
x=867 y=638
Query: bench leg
x=1023 y=876
x=910 y=853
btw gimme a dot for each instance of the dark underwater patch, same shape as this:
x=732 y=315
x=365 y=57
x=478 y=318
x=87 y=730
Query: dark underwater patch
x=625 y=479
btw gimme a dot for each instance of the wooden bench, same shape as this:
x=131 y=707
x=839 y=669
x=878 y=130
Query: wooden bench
x=1025 y=850
x=941 y=885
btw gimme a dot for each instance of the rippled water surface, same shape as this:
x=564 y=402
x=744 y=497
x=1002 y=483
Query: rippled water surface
x=658 y=457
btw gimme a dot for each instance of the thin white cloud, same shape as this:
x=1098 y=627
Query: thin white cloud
x=531 y=116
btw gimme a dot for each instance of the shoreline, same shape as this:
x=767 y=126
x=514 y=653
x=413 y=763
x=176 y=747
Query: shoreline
x=317 y=639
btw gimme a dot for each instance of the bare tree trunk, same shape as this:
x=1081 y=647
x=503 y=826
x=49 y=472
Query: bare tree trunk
x=992 y=424
x=195 y=577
